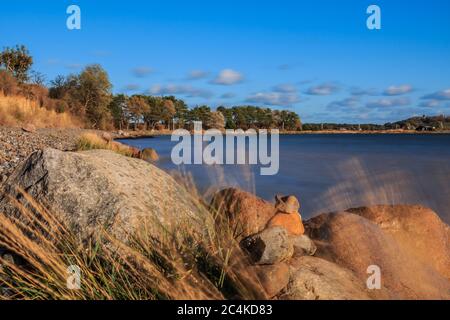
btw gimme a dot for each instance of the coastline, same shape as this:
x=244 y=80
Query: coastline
x=151 y=134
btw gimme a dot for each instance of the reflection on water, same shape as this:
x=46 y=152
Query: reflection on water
x=336 y=172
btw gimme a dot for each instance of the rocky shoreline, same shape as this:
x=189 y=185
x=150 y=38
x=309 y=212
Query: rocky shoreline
x=16 y=144
x=329 y=259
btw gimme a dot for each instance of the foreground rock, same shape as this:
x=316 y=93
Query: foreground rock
x=270 y=246
x=318 y=279
x=417 y=229
x=245 y=213
x=356 y=243
x=273 y=278
x=288 y=215
x=303 y=245
x=99 y=188
x=409 y=244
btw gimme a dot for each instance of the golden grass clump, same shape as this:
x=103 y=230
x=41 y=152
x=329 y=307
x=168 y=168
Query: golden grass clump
x=179 y=264
x=17 y=111
x=92 y=141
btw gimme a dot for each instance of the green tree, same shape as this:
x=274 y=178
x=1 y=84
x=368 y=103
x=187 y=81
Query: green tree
x=200 y=113
x=17 y=61
x=118 y=108
x=92 y=90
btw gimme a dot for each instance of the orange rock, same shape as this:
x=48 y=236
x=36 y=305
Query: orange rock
x=288 y=215
x=245 y=213
x=292 y=222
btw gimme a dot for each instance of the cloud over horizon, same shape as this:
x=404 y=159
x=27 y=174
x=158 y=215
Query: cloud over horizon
x=439 y=95
x=228 y=77
x=347 y=103
x=398 y=90
x=386 y=103
x=197 y=75
x=282 y=99
x=325 y=89
x=185 y=90
x=357 y=91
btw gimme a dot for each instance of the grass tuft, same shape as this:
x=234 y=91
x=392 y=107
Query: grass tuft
x=91 y=141
x=179 y=264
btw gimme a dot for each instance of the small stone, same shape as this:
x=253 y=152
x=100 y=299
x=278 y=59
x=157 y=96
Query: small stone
x=149 y=154
x=303 y=245
x=29 y=128
x=270 y=246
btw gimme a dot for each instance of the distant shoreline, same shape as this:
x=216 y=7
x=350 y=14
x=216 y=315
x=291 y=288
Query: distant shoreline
x=152 y=134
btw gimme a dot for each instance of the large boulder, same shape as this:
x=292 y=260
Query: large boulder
x=354 y=242
x=417 y=229
x=273 y=278
x=99 y=189
x=270 y=246
x=317 y=279
x=245 y=213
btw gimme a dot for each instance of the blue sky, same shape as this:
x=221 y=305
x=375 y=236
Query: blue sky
x=315 y=57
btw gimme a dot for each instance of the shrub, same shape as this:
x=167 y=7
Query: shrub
x=8 y=84
x=18 y=111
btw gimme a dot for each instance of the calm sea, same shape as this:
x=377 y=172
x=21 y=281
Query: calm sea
x=337 y=171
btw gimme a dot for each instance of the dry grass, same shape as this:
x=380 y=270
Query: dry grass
x=91 y=141
x=18 y=111
x=179 y=264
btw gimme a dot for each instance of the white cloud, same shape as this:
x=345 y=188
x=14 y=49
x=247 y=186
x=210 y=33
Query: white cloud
x=344 y=104
x=228 y=77
x=274 y=98
x=440 y=95
x=356 y=91
x=430 y=103
x=173 y=89
x=386 y=103
x=323 y=90
x=398 y=90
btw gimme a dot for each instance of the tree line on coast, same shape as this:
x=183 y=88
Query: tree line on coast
x=88 y=96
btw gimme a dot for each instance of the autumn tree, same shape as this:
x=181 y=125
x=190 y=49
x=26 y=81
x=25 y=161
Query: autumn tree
x=168 y=112
x=17 y=61
x=216 y=121
x=138 y=107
